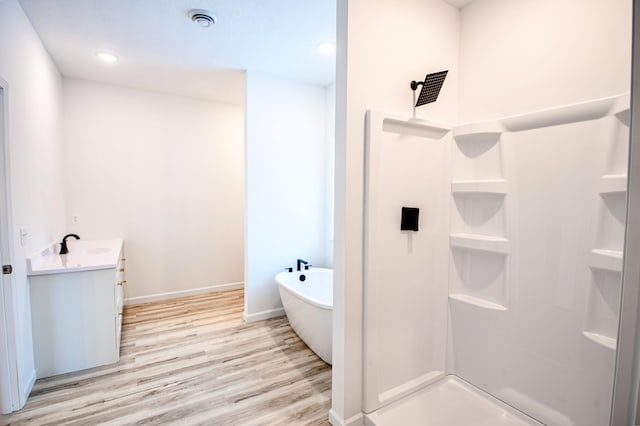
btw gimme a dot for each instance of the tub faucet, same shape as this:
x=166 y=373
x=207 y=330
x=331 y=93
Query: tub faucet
x=63 y=245
x=300 y=261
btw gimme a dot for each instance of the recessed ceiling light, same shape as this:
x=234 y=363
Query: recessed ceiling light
x=327 y=48
x=109 y=58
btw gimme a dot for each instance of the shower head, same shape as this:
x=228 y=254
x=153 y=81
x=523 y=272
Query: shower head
x=430 y=87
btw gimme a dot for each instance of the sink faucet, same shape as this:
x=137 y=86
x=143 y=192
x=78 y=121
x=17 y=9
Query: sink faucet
x=300 y=261
x=63 y=245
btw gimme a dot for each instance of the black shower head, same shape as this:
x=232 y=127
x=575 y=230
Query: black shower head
x=430 y=87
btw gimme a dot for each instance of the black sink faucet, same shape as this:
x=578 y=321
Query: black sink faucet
x=63 y=245
x=300 y=261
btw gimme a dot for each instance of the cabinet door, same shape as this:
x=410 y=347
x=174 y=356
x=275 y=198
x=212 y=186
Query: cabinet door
x=73 y=325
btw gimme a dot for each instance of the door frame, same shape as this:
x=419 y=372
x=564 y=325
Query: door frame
x=10 y=396
x=627 y=374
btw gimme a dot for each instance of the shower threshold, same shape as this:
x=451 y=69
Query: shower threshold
x=451 y=402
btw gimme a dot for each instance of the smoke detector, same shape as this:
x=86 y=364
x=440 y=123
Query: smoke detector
x=203 y=18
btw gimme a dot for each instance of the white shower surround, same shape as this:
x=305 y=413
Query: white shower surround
x=537 y=223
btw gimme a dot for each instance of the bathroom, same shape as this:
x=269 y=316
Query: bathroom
x=504 y=58
x=160 y=163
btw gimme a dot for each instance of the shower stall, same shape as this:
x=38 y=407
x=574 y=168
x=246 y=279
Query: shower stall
x=502 y=304
x=511 y=284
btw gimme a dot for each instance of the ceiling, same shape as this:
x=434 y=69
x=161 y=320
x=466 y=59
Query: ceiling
x=160 y=48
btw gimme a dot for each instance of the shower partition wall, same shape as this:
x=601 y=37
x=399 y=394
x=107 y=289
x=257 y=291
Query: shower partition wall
x=536 y=219
x=405 y=299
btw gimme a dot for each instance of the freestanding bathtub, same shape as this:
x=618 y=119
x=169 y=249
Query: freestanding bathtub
x=307 y=297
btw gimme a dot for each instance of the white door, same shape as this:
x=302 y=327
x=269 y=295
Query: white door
x=9 y=394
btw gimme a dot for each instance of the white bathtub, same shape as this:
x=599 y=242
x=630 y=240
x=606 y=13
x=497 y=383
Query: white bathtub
x=309 y=307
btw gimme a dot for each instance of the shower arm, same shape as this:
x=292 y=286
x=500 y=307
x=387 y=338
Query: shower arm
x=414 y=87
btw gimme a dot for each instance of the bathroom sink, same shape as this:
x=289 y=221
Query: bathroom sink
x=80 y=251
x=92 y=250
x=84 y=255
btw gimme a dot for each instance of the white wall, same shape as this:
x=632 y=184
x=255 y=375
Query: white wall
x=330 y=135
x=287 y=167
x=37 y=194
x=525 y=55
x=382 y=46
x=165 y=173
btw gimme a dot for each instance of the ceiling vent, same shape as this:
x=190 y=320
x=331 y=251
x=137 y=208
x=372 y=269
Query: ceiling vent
x=203 y=18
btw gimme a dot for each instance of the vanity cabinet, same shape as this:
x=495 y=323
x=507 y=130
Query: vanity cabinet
x=77 y=313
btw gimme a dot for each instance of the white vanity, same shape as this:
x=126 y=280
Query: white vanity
x=76 y=306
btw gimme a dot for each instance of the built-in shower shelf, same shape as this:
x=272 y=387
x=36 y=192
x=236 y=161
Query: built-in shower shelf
x=607 y=260
x=621 y=109
x=605 y=341
x=612 y=184
x=478 y=132
x=584 y=111
x=486 y=186
x=486 y=243
x=415 y=127
x=476 y=301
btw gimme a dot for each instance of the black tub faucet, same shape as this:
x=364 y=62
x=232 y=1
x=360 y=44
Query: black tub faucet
x=63 y=245
x=300 y=261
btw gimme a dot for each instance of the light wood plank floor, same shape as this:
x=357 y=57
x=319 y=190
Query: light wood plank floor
x=191 y=361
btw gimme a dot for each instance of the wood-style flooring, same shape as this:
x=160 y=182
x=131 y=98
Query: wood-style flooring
x=191 y=361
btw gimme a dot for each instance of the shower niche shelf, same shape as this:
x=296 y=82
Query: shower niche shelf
x=478 y=157
x=415 y=127
x=612 y=184
x=479 y=279
x=478 y=132
x=478 y=242
x=480 y=186
x=606 y=260
x=603 y=308
x=476 y=301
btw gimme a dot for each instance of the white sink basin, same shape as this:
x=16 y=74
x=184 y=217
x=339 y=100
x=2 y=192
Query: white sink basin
x=84 y=255
x=92 y=250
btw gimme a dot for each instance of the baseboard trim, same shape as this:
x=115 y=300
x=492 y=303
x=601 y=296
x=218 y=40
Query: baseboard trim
x=259 y=316
x=183 y=293
x=336 y=420
x=27 y=390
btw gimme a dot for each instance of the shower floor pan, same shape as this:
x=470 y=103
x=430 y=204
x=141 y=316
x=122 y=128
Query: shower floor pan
x=450 y=402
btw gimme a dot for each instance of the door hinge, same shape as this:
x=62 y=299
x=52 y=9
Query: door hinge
x=7 y=269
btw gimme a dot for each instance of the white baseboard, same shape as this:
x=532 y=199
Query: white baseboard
x=183 y=293
x=336 y=420
x=259 y=316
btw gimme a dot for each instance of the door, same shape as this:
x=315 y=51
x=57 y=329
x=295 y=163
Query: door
x=9 y=394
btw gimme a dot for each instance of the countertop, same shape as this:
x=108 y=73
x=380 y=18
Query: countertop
x=84 y=255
